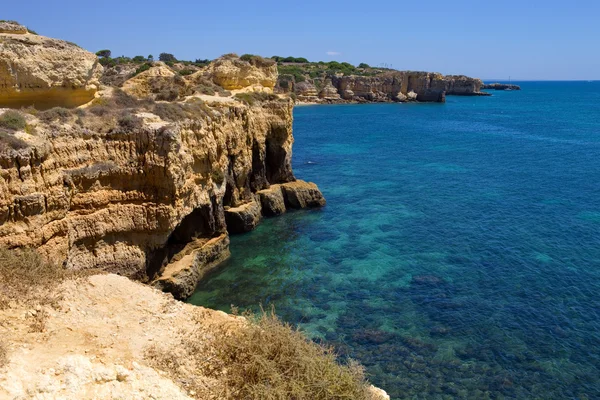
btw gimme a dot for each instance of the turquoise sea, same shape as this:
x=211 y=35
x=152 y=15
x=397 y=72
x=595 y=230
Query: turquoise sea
x=458 y=255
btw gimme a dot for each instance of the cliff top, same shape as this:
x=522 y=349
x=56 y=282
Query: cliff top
x=12 y=27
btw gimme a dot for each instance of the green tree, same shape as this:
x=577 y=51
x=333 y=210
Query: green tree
x=364 y=65
x=166 y=57
x=104 y=53
x=150 y=58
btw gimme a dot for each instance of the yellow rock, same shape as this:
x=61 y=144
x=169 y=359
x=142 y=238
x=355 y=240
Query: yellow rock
x=235 y=74
x=44 y=72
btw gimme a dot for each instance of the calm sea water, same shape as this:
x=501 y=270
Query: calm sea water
x=459 y=253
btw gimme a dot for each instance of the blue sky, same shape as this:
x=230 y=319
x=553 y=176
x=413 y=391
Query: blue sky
x=526 y=39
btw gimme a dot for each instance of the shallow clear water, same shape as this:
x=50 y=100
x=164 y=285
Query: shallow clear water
x=459 y=253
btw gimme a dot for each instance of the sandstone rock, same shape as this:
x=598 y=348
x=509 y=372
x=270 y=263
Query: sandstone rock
x=378 y=394
x=329 y=92
x=45 y=72
x=306 y=89
x=235 y=74
x=182 y=275
x=301 y=194
x=12 y=27
x=271 y=200
x=412 y=96
x=243 y=218
x=400 y=97
x=153 y=82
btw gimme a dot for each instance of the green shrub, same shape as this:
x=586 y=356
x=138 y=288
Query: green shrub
x=9 y=142
x=253 y=97
x=142 y=68
x=167 y=57
x=129 y=122
x=167 y=94
x=364 y=65
x=294 y=70
x=217 y=176
x=139 y=59
x=12 y=120
x=57 y=113
x=186 y=72
x=194 y=109
x=257 y=61
x=201 y=62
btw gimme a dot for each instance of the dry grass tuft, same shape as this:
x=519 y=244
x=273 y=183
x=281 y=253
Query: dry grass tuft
x=265 y=359
x=28 y=280
x=3 y=355
x=25 y=277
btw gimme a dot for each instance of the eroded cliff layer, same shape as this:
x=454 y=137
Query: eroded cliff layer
x=130 y=200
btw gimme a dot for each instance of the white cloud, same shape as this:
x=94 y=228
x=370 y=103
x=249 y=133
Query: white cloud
x=333 y=53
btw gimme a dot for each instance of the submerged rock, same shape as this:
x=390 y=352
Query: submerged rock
x=427 y=280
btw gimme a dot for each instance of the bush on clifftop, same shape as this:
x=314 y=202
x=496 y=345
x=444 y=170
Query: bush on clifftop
x=12 y=120
x=263 y=359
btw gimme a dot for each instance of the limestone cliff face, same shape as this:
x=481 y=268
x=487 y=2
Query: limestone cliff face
x=43 y=71
x=126 y=202
x=118 y=188
x=385 y=87
x=234 y=74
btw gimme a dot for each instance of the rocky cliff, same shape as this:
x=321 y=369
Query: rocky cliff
x=149 y=189
x=45 y=72
x=396 y=86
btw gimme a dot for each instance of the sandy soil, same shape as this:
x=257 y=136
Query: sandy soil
x=93 y=343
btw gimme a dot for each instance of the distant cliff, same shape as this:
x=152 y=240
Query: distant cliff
x=385 y=86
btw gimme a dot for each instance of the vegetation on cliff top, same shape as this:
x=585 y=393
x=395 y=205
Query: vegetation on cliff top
x=27 y=278
x=264 y=359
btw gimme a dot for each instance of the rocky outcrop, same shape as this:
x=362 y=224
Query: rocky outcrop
x=181 y=276
x=243 y=218
x=300 y=194
x=271 y=200
x=12 y=27
x=391 y=86
x=132 y=201
x=501 y=86
x=152 y=82
x=45 y=72
x=232 y=73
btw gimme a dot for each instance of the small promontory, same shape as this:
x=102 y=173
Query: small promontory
x=501 y=86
